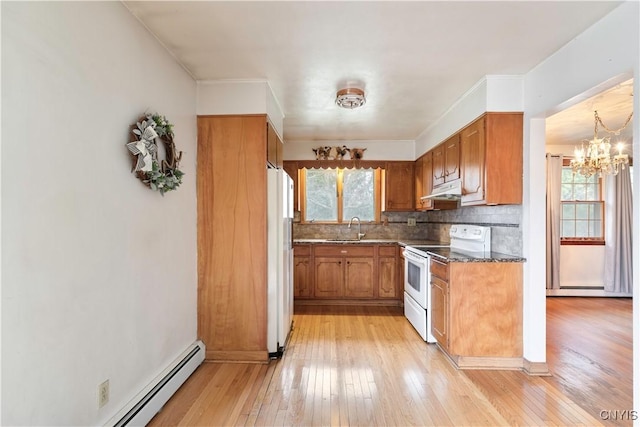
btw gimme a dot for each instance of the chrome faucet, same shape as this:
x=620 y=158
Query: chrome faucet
x=360 y=235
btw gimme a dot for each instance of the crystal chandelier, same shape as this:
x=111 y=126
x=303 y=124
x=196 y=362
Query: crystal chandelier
x=596 y=156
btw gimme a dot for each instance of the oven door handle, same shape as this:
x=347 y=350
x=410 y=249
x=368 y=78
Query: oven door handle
x=415 y=258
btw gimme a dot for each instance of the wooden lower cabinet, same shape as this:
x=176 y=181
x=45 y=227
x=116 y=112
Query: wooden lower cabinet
x=302 y=272
x=329 y=277
x=439 y=311
x=350 y=272
x=358 y=278
x=388 y=272
x=476 y=313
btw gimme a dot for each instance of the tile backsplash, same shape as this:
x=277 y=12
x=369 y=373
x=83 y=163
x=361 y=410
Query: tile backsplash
x=505 y=223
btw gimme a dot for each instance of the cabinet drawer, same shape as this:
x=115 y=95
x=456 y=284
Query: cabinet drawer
x=302 y=250
x=343 y=250
x=387 y=250
x=439 y=269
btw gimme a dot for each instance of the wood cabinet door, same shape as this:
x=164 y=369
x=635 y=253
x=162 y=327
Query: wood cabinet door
x=427 y=179
x=274 y=147
x=399 y=186
x=302 y=277
x=452 y=158
x=439 y=311
x=438 y=165
x=329 y=277
x=418 y=180
x=473 y=163
x=387 y=277
x=358 y=280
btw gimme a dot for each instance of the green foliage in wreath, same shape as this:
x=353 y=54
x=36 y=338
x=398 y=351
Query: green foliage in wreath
x=163 y=182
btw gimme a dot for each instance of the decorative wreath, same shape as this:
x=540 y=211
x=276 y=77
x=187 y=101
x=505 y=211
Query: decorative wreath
x=162 y=175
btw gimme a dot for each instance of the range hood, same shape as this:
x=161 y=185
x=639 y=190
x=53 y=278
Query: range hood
x=448 y=191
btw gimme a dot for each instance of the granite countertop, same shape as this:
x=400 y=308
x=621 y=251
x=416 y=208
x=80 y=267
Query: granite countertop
x=367 y=241
x=456 y=256
x=444 y=253
x=337 y=241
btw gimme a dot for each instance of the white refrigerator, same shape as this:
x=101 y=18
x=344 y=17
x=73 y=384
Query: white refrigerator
x=279 y=260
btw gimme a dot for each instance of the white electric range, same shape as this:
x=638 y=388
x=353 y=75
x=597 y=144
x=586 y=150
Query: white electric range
x=417 y=277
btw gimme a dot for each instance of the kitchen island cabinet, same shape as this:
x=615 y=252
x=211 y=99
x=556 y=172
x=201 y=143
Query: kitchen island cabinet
x=477 y=313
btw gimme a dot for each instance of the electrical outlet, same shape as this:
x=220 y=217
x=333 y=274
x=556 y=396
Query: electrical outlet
x=103 y=394
x=411 y=222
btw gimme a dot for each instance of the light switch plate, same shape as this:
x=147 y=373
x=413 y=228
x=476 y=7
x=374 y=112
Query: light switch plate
x=411 y=222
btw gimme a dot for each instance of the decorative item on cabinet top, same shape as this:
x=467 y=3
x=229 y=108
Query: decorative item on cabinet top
x=337 y=153
x=159 y=175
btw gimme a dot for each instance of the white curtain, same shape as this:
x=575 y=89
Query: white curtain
x=619 y=227
x=554 y=184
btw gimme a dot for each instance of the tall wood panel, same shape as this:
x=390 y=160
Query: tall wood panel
x=232 y=239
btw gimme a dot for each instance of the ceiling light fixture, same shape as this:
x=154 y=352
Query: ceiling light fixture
x=596 y=158
x=350 y=98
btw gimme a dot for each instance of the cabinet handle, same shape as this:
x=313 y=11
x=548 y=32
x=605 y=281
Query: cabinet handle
x=343 y=251
x=339 y=262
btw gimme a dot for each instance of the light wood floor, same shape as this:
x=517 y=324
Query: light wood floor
x=367 y=366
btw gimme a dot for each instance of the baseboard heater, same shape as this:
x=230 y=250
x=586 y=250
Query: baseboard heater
x=153 y=397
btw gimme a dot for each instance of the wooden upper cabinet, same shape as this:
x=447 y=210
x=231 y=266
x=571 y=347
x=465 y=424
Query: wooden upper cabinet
x=399 y=182
x=438 y=165
x=274 y=147
x=452 y=158
x=491 y=155
x=446 y=161
x=473 y=161
x=423 y=180
x=417 y=184
x=427 y=179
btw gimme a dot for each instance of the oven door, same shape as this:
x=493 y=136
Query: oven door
x=416 y=273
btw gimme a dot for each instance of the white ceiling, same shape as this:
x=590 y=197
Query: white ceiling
x=414 y=59
x=576 y=123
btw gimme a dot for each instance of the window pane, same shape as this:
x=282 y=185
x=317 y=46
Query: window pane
x=357 y=194
x=596 y=229
x=582 y=211
x=567 y=192
x=567 y=175
x=582 y=229
x=568 y=210
x=568 y=229
x=321 y=200
x=579 y=178
x=592 y=192
x=580 y=192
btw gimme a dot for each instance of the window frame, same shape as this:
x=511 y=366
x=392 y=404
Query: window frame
x=585 y=241
x=377 y=194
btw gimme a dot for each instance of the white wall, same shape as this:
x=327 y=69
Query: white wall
x=492 y=93
x=99 y=273
x=582 y=266
x=220 y=97
x=376 y=150
x=566 y=77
